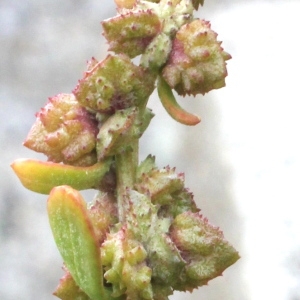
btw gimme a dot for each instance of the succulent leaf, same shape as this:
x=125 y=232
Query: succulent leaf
x=64 y=131
x=172 y=107
x=41 y=177
x=76 y=240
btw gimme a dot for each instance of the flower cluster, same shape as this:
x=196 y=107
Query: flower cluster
x=182 y=50
x=197 y=61
x=143 y=236
x=114 y=84
x=64 y=131
x=164 y=245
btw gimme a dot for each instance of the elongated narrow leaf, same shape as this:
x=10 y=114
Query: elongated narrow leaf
x=41 y=177
x=172 y=107
x=75 y=239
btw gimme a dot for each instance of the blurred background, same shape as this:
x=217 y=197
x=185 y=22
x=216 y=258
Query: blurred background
x=242 y=161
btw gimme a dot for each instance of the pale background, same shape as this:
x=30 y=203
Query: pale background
x=242 y=162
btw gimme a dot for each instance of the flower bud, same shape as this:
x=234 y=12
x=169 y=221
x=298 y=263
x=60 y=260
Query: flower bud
x=64 y=131
x=117 y=133
x=131 y=31
x=197 y=63
x=203 y=247
x=147 y=28
x=114 y=84
x=124 y=261
x=103 y=213
x=160 y=184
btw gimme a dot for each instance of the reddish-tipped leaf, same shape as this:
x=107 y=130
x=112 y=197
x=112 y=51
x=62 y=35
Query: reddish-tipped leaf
x=76 y=240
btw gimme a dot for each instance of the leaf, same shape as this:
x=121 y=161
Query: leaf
x=75 y=239
x=172 y=107
x=41 y=177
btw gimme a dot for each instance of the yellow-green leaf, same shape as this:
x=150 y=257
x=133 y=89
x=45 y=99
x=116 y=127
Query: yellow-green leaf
x=41 y=177
x=75 y=238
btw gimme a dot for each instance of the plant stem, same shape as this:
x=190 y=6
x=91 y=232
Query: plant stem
x=126 y=166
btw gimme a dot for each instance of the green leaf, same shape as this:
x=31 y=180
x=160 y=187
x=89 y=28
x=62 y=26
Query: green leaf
x=75 y=239
x=41 y=177
x=172 y=107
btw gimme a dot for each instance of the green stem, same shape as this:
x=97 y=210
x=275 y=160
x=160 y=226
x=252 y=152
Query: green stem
x=126 y=166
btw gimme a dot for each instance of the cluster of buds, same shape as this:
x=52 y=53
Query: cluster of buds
x=197 y=62
x=164 y=245
x=143 y=236
x=55 y=132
